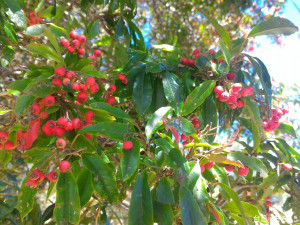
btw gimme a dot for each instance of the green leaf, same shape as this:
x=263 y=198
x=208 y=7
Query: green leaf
x=113 y=130
x=237 y=218
x=190 y=211
x=15 y=13
x=197 y=96
x=164 y=192
x=35 y=30
x=7 y=55
x=106 y=182
x=11 y=33
x=221 y=30
x=22 y=104
x=238 y=46
x=45 y=51
x=155 y=120
x=153 y=67
x=35 y=154
x=26 y=199
x=274 y=25
x=19 y=85
x=85 y=186
x=172 y=90
x=130 y=161
x=289 y=129
x=67 y=206
x=57 y=31
x=225 y=52
x=252 y=163
x=182 y=125
x=179 y=164
x=164 y=213
x=210 y=116
x=5 y=157
x=142 y=93
x=141 y=209
x=94 y=30
x=269 y=180
x=51 y=37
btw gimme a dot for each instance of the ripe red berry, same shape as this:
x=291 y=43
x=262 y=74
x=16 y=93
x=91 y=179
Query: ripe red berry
x=110 y=100
x=218 y=89
x=94 y=88
x=191 y=62
x=121 y=76
x=36 y=175
x=209 y=165
x=59 y=131
x=127 y=145
x=64 y=166
x=230 y=76
x=97 y=53
x=52 y=176
x=221 y=61
x=66 y=81
x=76 y=123
x=224 y=96
x=75 y=43
x=232 y=99
x=80 y=51
x=112 y=88
x=81 y=38
x=9 y=145
x=196 y=52
x=287 y=166
x=62 y=122
x=83 y=87
x=49 y=100
x=183 y=137
x=211 y=52
x=247 y=91
x=69 y=126
x=60 y=143
x=76 y=86
x=32 y=183
x=124 y=81
x=243 y=171
x=56 y=82
x=268 y=203
x=195 y=122
x=236 y=94
x=71 y=49
x=90 y=81
x=35 y=109
x=82 y=97
x=202 y=168
x=60 y=72
x=65 y=43
x=70 y=74
x=184 y=61
x=239 y=103
x=73 y=34
x=89 y=116
x=229 y=168
x=51 y=124
x=3 y=136
x=237 y=87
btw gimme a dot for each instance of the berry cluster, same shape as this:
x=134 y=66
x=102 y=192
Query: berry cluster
x=33 y=18
x=8 y=145
x=232 y=97
x=241 y=171
x=76 y=44
x=273 y=123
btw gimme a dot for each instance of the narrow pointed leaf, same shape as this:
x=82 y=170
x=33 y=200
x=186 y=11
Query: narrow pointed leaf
x=164 y=192
x=182 y=125
x=210 y=116
x=85 y=186
x=130 y=161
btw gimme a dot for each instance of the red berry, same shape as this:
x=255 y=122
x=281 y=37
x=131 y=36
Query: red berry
x=211 y=52
x=247 y=91
x=76 y=86
x=69 y=126
x=83 y=87
x=184 y=61
x=73 y=34
x=60 y=143
x=70 y=74
x=47 y=130
x=56 y=82
x=49 y=100
x=75 y=43
x=268 y=203
x=232 y=99
x=82 y=97
x=81 y=38
x=239 y=103
x=3 y=136
x=202 y=168
x=121 y=76
x=218 y=89
x=65 y=43
x=71 y=49
x=41 y=176
x=89 y=116
x=94 y=88
x=64 y=166
x=127 y=145
x=36 y=175
x=90 y=81
x=9 y=145
x=230 y=76
x=112 y=88
x=236 y=94
x=232 y=105
x=209 y=165
x=76 y=123
x=124 y=81
x=62 y=122
x=191 y=62
x=110 y=100
x=287 y=166
x=224 y=96
x=80 y=51
x=66 y=81
x=183 y=137
x=52 y=176
x=229 y=168
x=221 y=61
x=243 y=171
x=195 y=122
x=60 y=72
x=237 y=87
x=35 y=109
x=1 y=146
x=59 y=131
x=196 y=52
x=97 y=53
x=32 y=183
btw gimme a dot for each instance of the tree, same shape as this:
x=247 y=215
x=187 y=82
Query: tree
x=97 y=121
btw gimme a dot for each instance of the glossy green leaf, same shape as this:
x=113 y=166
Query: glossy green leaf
x=106 y=183
x=7 y=55
x=182 y=125
x=226 y=52
x=238 y=46
x=57 y=31
x=210 y=116
x=142 y=93
x=113 y=130
x=67 y=206
x=289 y=129
x=239 y=219
x=48 y=213
x=35 y=30
x=197 y=96
x=164 y=213
x=34 y=154
x=269 y=180
x=179 y=164
x=251 y=162
x=94 y=30
x=45 y=51
x=190 y=211
x=141 y=209
x=19 y=85
x=274 y=25
x=5 y=157
x=22 y=104
x=51 y=37
x=15 y=13
x=172 y=90
x=153 y=67
x=164 y=192
x=85 y=186
x=130 y=161
x=11 y=33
